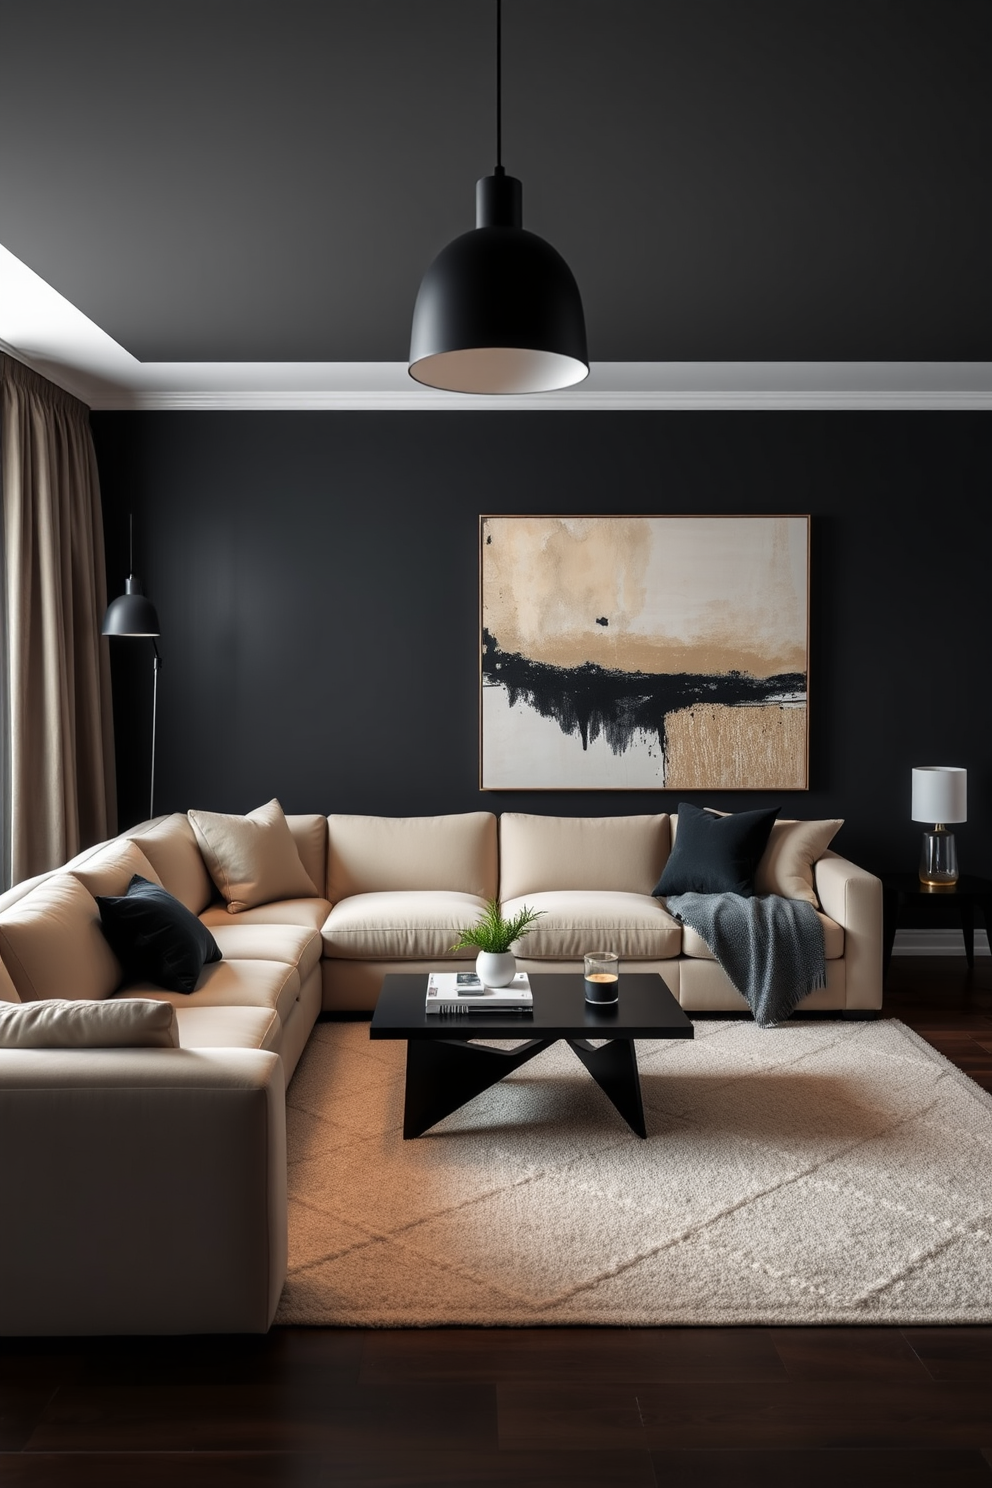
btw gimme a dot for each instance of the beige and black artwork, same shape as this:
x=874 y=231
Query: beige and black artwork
x=639 y=653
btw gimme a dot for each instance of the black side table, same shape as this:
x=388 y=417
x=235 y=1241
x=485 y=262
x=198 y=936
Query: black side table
x=899 y=889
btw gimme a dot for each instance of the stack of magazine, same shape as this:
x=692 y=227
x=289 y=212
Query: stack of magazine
x=463 y=992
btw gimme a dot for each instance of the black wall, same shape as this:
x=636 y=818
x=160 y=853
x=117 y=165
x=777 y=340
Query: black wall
x=316 y=576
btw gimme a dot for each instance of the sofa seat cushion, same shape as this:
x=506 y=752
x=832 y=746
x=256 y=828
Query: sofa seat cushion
x=579 y=920
x=399 y=924
x=833 y=941
x=264 y=984
x=308 y=914
x=296 y=944
x=228 y=1028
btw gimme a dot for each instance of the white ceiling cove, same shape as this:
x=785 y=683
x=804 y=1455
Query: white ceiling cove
x=231 y=204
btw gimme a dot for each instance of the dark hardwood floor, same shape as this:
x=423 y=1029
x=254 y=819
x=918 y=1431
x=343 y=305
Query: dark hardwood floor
x=594 y=1408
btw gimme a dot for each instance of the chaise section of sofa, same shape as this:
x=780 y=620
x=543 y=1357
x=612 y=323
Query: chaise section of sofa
x=165 y=1166
x=144 y=1190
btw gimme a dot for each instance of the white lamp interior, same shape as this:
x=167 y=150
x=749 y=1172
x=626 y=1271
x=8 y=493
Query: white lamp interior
x=499 y=369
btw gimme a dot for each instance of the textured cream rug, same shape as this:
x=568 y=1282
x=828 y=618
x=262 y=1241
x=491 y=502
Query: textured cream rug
x=816 y=1173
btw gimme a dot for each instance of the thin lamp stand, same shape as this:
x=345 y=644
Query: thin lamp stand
x=156 y=668
x=133 y=614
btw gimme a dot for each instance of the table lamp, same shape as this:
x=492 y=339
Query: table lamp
x=940 y=795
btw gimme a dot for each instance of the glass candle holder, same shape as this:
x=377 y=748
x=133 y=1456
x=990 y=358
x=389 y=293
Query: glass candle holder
x=602 y=977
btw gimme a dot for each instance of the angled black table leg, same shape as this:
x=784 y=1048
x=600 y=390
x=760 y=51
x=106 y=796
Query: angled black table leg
x=442 y=1074
x=614 y=1068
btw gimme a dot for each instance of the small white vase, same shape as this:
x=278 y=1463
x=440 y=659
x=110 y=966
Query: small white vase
x=495 y=970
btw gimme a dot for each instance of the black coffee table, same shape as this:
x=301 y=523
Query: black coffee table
x=444 y=1069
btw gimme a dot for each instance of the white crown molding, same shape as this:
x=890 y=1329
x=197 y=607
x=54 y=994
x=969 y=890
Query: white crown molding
x=41 y=328
x=729 y=398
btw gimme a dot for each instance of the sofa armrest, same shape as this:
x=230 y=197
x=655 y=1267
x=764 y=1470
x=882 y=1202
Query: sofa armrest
x=853 y=897
x=144 y=1190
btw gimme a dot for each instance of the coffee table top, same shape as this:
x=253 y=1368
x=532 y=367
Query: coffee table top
x=646 y=1009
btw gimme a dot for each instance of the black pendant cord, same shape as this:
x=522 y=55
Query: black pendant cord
x=499 y=87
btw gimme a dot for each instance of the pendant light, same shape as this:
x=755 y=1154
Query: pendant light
x=498 y=310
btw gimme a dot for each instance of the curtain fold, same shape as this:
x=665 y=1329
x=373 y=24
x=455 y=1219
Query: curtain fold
x=59 y=794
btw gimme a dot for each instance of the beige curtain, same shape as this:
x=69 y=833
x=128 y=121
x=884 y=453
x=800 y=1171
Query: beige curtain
x=59 y=794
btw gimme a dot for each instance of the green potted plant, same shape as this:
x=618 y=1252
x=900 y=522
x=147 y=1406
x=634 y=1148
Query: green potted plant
x=492 y=936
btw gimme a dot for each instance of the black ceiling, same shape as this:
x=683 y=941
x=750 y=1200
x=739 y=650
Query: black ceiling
x=740 y=180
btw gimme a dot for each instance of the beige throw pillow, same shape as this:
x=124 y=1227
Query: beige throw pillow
x=124 y=1023
x=252 y=859
x=786 y=865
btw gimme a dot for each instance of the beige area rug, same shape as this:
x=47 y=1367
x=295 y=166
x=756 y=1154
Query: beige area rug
x=819 y=1172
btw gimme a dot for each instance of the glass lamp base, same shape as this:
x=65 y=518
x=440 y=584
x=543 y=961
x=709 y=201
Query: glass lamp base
x=938 y=859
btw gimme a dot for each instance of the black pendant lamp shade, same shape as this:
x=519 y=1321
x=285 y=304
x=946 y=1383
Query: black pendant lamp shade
x=498 y=310
x=131 y=613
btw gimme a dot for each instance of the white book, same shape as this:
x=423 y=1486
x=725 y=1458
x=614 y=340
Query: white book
x=463 y=992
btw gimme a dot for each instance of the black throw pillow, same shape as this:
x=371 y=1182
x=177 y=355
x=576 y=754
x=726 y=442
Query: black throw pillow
x=155 y=938
x=716 y=854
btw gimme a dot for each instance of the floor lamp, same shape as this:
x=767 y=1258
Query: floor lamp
x=133 y=614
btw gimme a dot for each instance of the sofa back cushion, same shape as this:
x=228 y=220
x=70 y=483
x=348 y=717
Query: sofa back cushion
x=381 y=854
x=111 y=869
x=310 y=835
x=122 y=1023
x=172 y=849
x=8 y=992
x=542 y=854
x=52 y=944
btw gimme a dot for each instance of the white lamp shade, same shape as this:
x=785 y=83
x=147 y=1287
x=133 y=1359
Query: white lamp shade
x=940 y=794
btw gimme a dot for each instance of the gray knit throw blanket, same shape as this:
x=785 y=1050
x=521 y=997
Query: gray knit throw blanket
x=771 y=948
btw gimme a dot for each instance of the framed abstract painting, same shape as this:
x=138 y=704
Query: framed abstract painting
x=644 y=653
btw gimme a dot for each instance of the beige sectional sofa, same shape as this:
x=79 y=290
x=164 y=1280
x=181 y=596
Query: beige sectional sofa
x=144 y=1188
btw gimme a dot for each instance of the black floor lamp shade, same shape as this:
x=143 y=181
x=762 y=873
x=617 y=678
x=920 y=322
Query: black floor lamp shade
x=498 y=310
x=132 y=613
